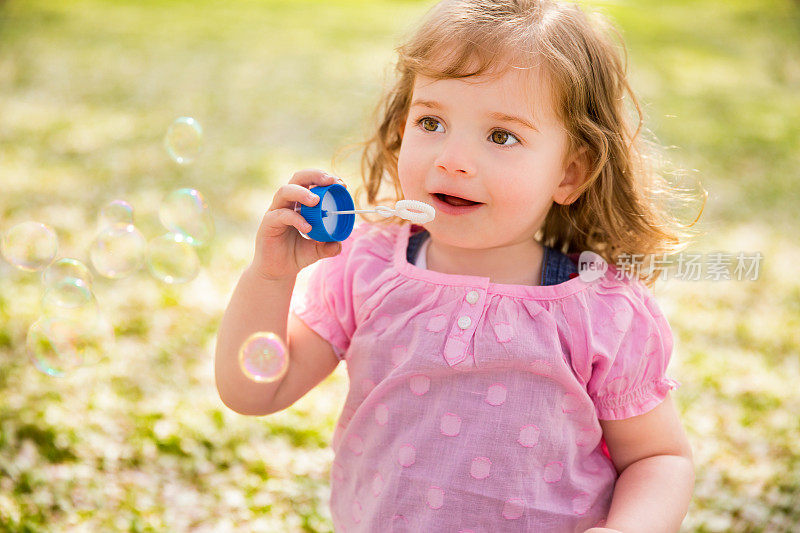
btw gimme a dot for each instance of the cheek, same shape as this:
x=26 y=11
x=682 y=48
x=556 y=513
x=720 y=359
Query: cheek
x=402 y=165
x=524 y=197
x=409 y=163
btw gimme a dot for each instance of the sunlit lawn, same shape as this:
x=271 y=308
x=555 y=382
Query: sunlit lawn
x=140 y=440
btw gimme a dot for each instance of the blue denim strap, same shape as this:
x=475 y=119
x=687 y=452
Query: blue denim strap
x=414 y=243
x=557 y=267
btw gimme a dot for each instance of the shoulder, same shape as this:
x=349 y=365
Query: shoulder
x=621 y=344
x=615 y=315
x=626 y=322
x=624 y=295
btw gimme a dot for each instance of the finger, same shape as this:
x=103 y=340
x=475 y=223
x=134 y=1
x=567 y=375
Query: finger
x=312 y=177
x=290 y=193
x=340 y=181
x=328 y=249
x=278 y=219
x=309 y=251
x=315 y=177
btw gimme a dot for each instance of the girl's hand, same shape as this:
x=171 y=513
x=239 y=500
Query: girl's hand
x=281 y=252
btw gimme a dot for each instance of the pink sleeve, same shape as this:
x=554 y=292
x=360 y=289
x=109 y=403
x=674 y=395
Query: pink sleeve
x=326 y=303
x=630 y=347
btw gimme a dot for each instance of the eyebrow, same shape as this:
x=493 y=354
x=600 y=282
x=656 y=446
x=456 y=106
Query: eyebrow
x=432 y=104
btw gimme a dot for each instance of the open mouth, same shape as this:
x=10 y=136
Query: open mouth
x=454 y=200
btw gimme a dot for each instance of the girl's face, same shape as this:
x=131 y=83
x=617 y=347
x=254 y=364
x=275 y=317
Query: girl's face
x=492 y=140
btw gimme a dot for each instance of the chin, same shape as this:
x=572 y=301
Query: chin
x=460 y=238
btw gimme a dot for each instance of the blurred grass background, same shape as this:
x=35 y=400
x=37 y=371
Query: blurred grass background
x=141 y=442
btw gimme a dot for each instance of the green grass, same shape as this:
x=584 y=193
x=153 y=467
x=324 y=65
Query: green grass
x=140 y=441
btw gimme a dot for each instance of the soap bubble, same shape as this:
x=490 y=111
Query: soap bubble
x=185 y=211
x=264 y=358
x=51 y=345
x=184 y=140
x=70 y=299
x=116 y=212
x=172 y=259
x=68 y=291
x=64 y=268
x=118 y=251
x=58 y=344
x=67 y=294
x=30 y=246
x=84 y=319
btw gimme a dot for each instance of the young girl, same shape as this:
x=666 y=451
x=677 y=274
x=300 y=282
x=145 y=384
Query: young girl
x=491 y=387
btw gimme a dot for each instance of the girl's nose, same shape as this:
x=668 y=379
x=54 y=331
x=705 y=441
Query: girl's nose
x=455 y=158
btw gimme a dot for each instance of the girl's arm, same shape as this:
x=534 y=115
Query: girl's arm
x=261 y=300
x=259 y=304
x=656 y=474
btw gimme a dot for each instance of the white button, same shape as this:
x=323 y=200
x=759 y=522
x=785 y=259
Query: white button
x=464 y=322
x=473 y=296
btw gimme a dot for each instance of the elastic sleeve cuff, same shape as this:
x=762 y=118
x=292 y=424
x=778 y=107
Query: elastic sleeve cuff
x=636 y=402
x=338 y=340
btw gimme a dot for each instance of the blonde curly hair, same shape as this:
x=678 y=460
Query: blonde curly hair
x=623 y=205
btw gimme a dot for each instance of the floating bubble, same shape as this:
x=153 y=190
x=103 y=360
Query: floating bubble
x=64 y=268
x=185 y=211
x=52 y=345
x=68 y=293
x=184 y=140
x=172 y=259
x=118 y=251
x=58 y=344
x=263 y=357
x=116 y=212
x=30 y=246
x=71 y=299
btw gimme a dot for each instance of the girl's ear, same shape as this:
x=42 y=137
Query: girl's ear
x=575 y=173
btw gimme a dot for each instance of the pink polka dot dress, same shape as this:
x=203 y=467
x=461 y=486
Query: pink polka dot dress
x=475 y=406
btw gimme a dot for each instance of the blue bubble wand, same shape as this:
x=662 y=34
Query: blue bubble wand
x=333 y=217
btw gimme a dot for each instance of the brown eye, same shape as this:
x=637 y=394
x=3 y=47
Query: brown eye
x=502 y=137
x=429 y=124
x=499 y=137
